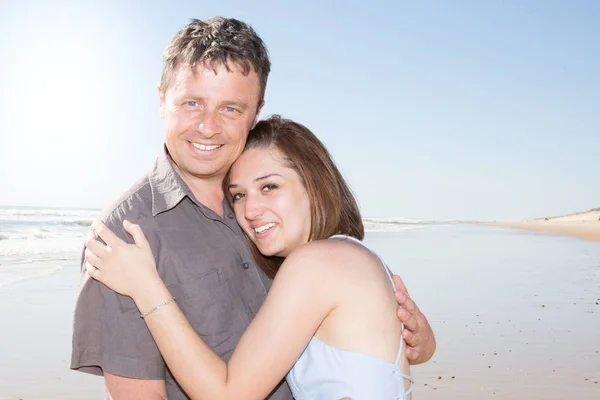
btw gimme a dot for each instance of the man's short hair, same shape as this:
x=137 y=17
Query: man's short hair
x=217 y=41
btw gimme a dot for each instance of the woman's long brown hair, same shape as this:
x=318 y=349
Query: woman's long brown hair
x=333 y=207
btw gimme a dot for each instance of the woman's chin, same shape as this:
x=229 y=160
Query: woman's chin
x=270 y=251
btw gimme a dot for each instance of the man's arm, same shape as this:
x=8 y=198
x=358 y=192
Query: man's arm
x=122 y=388
x=417 y=333
x=108 y=335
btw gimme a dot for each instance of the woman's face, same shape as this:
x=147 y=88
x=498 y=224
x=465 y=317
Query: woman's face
x=270 y=202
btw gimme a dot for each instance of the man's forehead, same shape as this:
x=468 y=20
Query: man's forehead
x=186 y=76
x=214 y=67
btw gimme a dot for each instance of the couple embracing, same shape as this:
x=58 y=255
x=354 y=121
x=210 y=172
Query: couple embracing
x=237 y=261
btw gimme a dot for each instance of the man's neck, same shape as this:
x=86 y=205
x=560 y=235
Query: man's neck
x=207 y=192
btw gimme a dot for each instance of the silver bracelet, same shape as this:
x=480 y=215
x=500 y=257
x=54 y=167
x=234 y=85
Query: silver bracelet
x=158 y=307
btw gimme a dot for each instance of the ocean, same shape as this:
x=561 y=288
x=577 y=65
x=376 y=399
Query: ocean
x=35 y=242
x=38 y=241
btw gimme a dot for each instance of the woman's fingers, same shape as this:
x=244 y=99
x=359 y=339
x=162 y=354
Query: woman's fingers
x=408 y=319
x=136 y=232
x=92 y=259
x=400 y=285
x=98 y=248
x=102 y=232
x=93 y=272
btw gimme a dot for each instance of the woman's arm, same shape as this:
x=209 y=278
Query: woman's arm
x=298 y=301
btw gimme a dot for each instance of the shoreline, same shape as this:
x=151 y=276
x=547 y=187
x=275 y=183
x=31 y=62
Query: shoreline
x=583 y=225
x=587 y=230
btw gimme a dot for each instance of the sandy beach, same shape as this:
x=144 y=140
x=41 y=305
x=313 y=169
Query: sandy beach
x=584 y=225
x=516 y=314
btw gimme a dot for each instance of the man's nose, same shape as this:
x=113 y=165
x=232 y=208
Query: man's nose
x=209 y=123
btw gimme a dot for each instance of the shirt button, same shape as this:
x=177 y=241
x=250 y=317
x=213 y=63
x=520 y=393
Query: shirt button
x=245 y=265
x=230 y=215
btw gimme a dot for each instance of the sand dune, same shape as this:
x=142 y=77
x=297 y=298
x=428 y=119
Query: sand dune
x=592 y=215
x=585 y=225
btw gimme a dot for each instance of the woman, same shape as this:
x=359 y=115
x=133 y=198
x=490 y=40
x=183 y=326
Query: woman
x=330 y=315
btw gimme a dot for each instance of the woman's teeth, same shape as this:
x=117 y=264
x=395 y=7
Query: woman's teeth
x=263 y=228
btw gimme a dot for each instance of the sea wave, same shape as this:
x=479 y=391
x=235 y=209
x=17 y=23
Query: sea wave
x=398 y=224
x=408 y=221
x=29 y=223
x=421 y=221
x=370 y=227
x=35 y=229
x=58 y=212
x=39 y=235
x=83 y=222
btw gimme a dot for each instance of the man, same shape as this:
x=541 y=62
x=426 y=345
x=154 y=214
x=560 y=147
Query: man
x=211 y=93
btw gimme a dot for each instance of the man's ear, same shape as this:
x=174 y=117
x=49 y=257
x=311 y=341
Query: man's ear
x=161 y=101
x=260 y=107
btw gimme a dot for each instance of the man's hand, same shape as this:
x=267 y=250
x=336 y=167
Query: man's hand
x=417 y=333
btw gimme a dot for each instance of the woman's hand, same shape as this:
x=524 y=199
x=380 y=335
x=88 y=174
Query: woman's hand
x=417 y=333
x=128 y=269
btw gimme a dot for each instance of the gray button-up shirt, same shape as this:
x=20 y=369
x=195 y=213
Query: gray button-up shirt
x=204 y=260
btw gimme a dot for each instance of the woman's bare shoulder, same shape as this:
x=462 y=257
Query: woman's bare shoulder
x=329 y=256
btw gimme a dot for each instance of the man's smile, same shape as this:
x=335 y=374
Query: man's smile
x=205 y=147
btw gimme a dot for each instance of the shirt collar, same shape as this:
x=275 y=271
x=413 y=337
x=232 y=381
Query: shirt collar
x=168 y=189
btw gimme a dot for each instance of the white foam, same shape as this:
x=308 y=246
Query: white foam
x=386 y=227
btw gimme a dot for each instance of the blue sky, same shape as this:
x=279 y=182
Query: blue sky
x=432 y=109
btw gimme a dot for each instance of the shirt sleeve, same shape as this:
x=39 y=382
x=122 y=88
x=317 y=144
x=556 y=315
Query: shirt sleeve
x=108 y=334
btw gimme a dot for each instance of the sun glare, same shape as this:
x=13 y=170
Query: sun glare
x=56 y=96
x=59 y=85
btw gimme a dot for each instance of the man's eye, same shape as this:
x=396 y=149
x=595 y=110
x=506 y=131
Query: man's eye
x=230 y=109
x=192 y=103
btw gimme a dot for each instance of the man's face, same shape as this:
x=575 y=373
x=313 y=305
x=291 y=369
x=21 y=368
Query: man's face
x=207 y=118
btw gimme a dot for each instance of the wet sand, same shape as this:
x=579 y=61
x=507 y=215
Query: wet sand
x=516 y=313
x=35 y=340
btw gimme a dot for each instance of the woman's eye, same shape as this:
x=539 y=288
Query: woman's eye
x=269 y=187
x=236 y=196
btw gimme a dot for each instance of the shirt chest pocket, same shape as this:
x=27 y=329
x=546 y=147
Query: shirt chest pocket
x=212 y=310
